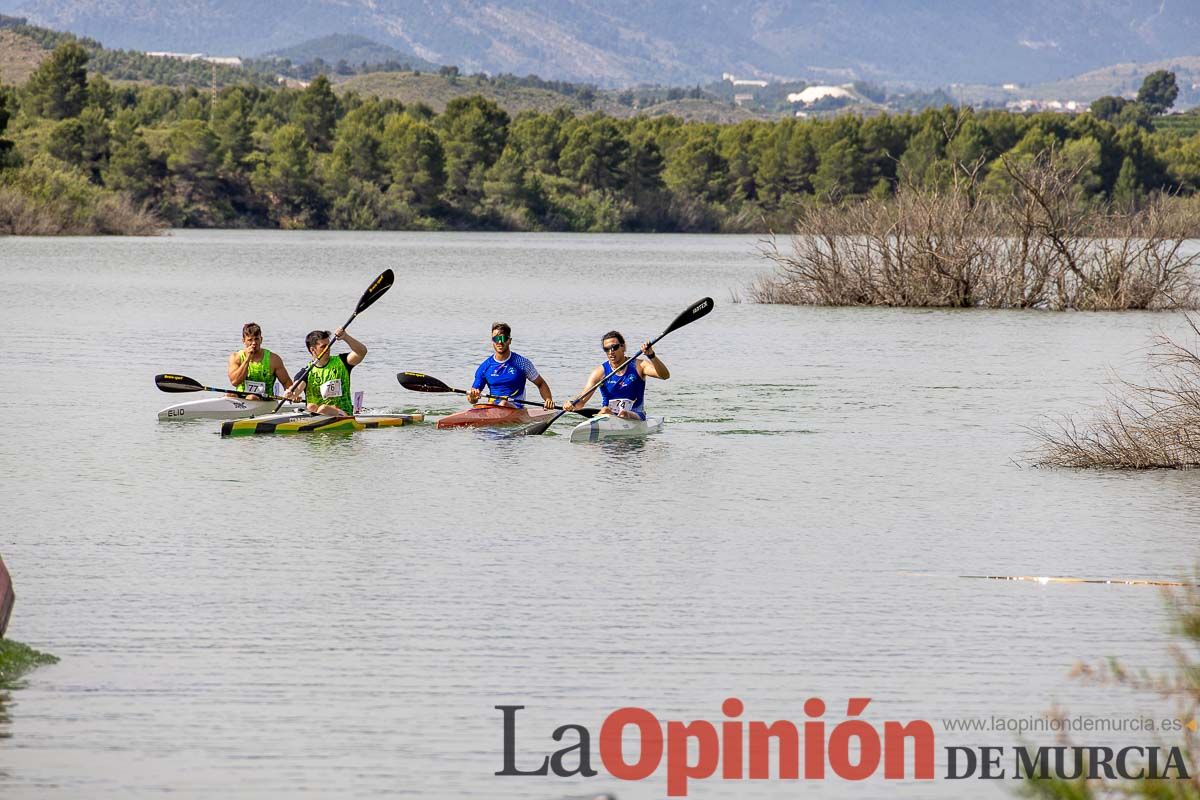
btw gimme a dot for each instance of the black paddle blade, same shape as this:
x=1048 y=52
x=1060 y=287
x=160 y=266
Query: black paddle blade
x=421 y=383
x=376 y=290
x=586 y=412
x=177 y=383
x=303 y=373
x=537 y=428
x=694 y=313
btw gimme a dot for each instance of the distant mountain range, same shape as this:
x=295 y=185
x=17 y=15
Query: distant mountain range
x=622 y=42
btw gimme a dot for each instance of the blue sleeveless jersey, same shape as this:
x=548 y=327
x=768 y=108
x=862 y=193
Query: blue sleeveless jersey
x=505 y=378
x=630 y=386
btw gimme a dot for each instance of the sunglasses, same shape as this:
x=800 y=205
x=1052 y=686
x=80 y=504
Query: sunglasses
x=612 y=348
x=500 y=338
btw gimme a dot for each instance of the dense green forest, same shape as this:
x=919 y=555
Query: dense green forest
x=259 y=156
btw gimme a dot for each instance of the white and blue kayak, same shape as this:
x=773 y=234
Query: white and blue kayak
x=607 y=426
x=223 y=407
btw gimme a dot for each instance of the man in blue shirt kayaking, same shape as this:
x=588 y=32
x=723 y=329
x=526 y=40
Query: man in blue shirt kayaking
x=504 y=372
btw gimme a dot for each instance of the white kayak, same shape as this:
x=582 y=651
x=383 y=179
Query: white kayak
x=607 y=426
x=223 y=407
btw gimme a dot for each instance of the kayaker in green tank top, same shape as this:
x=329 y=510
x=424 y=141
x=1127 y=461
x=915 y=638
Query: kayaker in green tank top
x=254 y=369
x=327 y=388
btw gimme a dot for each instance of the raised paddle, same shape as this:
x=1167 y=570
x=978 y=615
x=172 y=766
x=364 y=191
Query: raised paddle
x=419 y=382
x=375 y=291
x=176 y=384
x=692 y=314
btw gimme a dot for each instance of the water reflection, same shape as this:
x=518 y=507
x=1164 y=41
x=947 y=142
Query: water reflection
x=5 y=717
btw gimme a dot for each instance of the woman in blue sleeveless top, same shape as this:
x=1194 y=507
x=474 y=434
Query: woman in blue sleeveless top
x=622 y=392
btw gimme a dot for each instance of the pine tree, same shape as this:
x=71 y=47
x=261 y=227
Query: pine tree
x=6 y=145
x=288 y=177
x=130 y=166
x=1128 y=189
x=413 y=154
x=316 y=113
x=58 y=88
x=1158 y=91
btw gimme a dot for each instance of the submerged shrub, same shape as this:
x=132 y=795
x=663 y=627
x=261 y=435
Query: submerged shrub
x=1152 y=426
x=1040 y=244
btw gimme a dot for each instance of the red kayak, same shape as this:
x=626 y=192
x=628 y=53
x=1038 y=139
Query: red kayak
x=487 y=415
x=6 y=598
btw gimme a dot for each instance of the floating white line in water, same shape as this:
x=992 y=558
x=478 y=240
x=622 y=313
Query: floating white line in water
x=1045 y=579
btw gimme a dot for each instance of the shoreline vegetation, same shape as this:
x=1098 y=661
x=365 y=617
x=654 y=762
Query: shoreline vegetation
x=80 y=154
x=1152 y=426
x=17 y=659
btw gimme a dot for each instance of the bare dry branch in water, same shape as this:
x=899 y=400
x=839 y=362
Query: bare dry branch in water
x=1142 y=427
x=1041 y=245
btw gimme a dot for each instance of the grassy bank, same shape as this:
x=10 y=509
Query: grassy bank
x=16 y=659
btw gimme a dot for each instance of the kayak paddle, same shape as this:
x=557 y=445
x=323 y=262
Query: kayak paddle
x=698 y=310
x=375 y=291
x=418 y=382
x=176 y=384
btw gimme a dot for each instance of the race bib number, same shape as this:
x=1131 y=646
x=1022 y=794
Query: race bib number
x=331 y=389
x=256 y=387
x=619 y=404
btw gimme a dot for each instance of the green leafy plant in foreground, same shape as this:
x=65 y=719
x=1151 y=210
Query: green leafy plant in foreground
x=16 y=659
x=1181 y=686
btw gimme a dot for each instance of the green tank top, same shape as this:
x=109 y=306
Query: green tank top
x=260 y=371
x=334 y=370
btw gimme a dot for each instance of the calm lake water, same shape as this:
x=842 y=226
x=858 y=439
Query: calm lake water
x=338 y=615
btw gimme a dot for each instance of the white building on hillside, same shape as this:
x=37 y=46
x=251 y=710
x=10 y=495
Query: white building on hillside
x=728 y=76
x=226 y=60
x=1028 y=104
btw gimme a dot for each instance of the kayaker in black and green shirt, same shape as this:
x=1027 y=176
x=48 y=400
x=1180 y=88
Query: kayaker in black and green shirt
x=327 y=388
x=255 y=369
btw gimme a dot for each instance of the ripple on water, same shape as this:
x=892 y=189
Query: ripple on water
x=760 y=432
